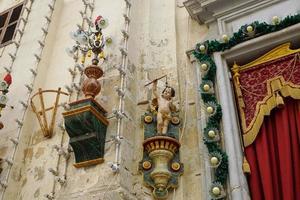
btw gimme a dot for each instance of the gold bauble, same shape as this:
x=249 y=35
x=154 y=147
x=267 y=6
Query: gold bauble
x=175 y=120
x=202 y=47
x=211 y=134
x=148 y=119
x=204 y=67
x=206 y=87
x=275 y=20
x=175 y=166
x=249 y=29
x=147 y=165
x=109 y=40
x=216 y=191
x=210 y=109
x=214 y=160
x=225 y=38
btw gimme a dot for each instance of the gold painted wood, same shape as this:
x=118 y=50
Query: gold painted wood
x=85 y=109
x=279 y=52
x=41 y=114
x=88 y=163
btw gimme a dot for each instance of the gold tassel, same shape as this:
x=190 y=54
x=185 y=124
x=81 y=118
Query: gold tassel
x=279 y=100
x=101 y=55
x=89 y=53
x=246 y=166
x=83 y=59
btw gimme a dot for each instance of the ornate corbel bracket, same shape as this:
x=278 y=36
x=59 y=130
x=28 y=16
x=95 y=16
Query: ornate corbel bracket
x=86 y=126
x=161 y=164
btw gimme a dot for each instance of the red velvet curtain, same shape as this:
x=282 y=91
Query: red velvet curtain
x=274 y=157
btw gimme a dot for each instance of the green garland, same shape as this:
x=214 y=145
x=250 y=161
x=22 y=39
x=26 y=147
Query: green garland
x=203 y=52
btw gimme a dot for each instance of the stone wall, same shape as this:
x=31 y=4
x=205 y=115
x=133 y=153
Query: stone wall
x=160 y=34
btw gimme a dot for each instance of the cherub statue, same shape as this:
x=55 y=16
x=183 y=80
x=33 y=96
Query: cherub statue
x=165 y=107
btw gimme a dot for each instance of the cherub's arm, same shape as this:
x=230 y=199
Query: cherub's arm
x=154 y=89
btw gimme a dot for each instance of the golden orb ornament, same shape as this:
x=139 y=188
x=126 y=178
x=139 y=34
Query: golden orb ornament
x=275 y=20
x=211 y=134
x=202 y=47
x=175 y=120
x=216 y=191
x=175 y=166
x=148 y=119
x=210 y=109
x=204 y=67
x=147 y=165
x=225 y=38
x=109 y=40
x=206 y=87
x=214 y=160
x=250 y=29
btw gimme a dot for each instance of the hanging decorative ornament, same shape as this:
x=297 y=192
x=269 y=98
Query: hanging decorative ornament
x=210 y=110
x=108 y=40
x=204 y=67
x=214 y=160
x=225 y=38
x=3 y=100
x=211 y=133
x=100 y=22
x=206 y=87
x=216 y=191
x=202 y=48
x=3 y=85
x=249 y=29
x=275 y=20
x=8 y=79
x=71 y=51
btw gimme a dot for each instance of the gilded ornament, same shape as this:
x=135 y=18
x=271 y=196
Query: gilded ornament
x=216 y=191
x=211 y=134
x=214 y=160
x=147 y=165
x=210 y=109
x=206 y=87
x=108 y=40
x=175 y=166
x=225 y=38
x=249 y=29
x=148 y=119
x=175 y=120
x=275 y=20
x=202 y=48
x=204 y=66
x=89 y=53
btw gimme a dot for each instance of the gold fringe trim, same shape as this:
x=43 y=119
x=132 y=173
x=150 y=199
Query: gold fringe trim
x=263 y=108
x=277 y=88
x=246 y=166
x=278 y=52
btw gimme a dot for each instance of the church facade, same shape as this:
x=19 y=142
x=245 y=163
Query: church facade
x=140 y=99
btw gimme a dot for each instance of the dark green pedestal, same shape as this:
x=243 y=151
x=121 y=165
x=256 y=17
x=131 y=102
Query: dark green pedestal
x=86 y=126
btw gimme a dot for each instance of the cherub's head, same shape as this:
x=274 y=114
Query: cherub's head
x=168 y=93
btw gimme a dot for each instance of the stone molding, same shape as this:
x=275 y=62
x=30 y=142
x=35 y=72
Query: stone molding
x=208 y=11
